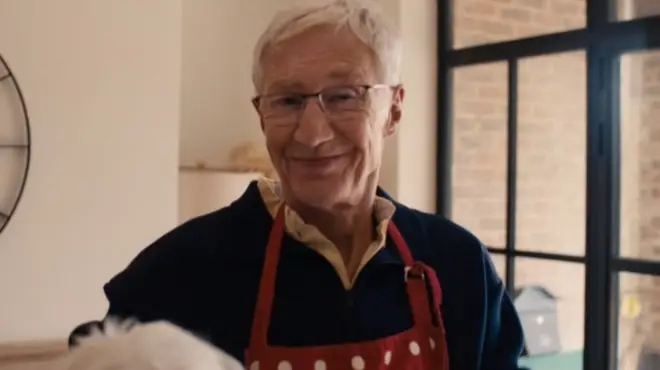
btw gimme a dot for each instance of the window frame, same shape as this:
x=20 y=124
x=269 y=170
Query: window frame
x=604 y=40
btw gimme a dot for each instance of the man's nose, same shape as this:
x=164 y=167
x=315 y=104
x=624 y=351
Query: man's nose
x=313 y=127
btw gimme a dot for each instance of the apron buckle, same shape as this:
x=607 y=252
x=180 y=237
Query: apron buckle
x=415 y=272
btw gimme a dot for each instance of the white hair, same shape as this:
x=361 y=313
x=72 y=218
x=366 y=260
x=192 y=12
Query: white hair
x=362 y=17
x=153 y=346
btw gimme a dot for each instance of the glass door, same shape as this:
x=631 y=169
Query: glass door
x=549 y=112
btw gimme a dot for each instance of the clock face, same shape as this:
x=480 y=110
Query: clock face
x=14 y=143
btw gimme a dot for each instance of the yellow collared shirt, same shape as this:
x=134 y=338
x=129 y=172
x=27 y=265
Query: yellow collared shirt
x=313 y=238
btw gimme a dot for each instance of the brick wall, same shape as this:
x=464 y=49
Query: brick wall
x=647 y=243
x=484 y=21
x=649 y=149
x=644 y=8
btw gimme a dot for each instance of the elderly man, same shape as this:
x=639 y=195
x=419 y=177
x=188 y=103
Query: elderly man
x=322 y=270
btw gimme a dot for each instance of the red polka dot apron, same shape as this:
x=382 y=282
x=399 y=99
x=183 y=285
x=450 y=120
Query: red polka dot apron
x=422 y=347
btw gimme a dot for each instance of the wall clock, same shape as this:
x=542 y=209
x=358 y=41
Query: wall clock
x=14 y=143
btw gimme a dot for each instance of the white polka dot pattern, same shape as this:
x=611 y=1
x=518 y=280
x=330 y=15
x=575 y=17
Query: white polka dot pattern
x=284 y=365
x=357 y=363
x=388 y=357
x=414 y=348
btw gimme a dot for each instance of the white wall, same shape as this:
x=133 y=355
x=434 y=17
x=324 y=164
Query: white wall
x=416 y=151
x=216 y=91
x=218 y=37
x=102 y=82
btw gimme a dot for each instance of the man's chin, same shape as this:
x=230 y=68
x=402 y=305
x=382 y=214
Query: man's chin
x=323 y=196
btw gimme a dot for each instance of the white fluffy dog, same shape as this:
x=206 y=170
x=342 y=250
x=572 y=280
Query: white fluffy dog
x=152 y=346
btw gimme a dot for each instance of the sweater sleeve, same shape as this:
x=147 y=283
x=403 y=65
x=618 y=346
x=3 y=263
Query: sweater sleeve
x=144 y=290
x=504 y=334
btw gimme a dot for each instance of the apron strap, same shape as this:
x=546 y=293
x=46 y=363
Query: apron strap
x=400 y=243
x=266 y=294
x=417 y=275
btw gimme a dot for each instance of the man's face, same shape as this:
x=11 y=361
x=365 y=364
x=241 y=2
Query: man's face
x=326 y=154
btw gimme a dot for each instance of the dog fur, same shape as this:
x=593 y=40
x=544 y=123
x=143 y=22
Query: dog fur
x=125 y=345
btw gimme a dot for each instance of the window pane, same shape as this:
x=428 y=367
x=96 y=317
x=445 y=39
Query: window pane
x=639 y=322
x=478 y=22
x=550 y=301
x=640 y=155
x=551 y=154
x=632 y=9
x=479 y=137
x=499 y=261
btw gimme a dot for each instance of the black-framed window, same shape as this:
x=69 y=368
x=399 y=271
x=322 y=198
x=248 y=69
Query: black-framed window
x=549 y=151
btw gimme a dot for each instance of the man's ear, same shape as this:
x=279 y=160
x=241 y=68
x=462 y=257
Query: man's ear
x=396 y=110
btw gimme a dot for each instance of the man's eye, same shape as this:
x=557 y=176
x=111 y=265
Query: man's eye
x=338 y=97
x=288 y=101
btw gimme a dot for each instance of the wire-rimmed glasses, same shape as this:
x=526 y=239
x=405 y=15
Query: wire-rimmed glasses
x=336 y=102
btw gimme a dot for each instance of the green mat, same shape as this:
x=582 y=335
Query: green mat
x=562 y=361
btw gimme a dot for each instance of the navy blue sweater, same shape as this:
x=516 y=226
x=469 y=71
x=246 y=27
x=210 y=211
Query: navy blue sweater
x=204 y=276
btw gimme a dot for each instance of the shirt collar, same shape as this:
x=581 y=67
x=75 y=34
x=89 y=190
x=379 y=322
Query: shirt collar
x=309 y=235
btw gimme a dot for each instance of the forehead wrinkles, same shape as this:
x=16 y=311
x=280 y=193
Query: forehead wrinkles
x=312 y=73
x=310 y=77
x=313 y=57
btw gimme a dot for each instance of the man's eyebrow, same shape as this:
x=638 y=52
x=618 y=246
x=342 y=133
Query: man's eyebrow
x=282 y=85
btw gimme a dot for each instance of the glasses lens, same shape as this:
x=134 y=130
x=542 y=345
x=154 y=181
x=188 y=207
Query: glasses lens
x=342 y=99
